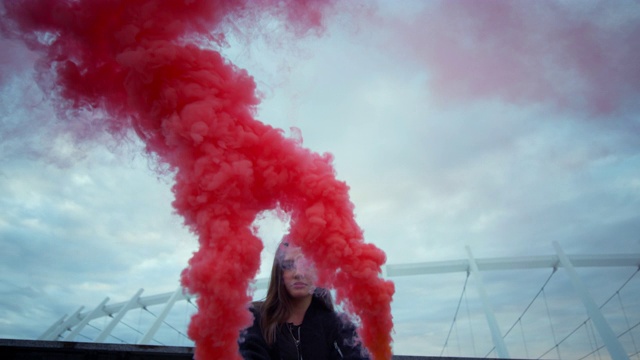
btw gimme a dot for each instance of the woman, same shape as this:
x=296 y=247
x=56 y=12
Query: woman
x=296 y=320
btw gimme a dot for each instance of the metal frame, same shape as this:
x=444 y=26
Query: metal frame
x=79 y=319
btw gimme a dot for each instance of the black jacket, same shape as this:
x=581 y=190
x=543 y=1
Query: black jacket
x=323 y=336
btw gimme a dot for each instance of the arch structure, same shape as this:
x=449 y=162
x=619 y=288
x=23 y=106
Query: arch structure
x=67 y=328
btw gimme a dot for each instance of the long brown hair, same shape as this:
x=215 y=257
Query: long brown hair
x=277 y=305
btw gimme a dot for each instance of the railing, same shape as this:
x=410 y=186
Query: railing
x=67 y=328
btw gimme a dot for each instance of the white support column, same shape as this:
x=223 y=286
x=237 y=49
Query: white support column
x=156 y=325
x=52 y=328
x=496 y=335
x=610 y=340
x=76 y=330
x=54 y=334
x=123 y=311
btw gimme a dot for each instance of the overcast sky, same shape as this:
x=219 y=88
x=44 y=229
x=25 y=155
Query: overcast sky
x=504 y=126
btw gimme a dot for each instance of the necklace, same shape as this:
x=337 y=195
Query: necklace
x=295 y=340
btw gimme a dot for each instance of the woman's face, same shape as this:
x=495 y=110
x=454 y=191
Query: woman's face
x=298 y=273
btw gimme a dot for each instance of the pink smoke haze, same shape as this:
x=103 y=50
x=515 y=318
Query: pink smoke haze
x=582 y=57
x=137 y=62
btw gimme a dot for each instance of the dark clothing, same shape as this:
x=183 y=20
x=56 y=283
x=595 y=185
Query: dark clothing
x=321 y=336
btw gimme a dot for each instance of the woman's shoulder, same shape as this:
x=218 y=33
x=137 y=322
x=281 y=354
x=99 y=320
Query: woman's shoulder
x=321 y=313
x=256 y=305
x=320 y=307
x=256 y=311
x=339 y=331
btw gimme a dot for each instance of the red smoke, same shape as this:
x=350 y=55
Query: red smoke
x=136 y=61
x=577 y=56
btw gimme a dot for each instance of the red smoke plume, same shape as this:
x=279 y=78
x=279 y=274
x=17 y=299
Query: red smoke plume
x=577 y=56
x=136 y=61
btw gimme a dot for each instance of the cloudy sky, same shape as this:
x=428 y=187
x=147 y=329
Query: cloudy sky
x=503 y=126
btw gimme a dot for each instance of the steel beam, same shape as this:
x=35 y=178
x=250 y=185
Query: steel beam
x=121 y=313
x=51 y=330
x=146 y=339
x=512 y=263
x=610 y=340
x=496 y=334
x=76 y=330
x=58 y=328
x=67 y=324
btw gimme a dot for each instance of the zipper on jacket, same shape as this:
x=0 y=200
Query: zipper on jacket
x=335 y=344
x=296 y=341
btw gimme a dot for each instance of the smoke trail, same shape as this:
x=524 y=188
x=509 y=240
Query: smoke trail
x=579 y=56
x=137 y=61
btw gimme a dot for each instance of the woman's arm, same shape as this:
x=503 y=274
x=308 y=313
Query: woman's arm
x=251 y=342
x=347 y=344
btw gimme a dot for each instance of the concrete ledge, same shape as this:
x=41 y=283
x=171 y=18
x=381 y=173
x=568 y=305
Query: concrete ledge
x=62 y=350
x=59 y=350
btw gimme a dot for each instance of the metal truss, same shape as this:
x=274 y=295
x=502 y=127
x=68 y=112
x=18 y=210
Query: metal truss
x=78 y=320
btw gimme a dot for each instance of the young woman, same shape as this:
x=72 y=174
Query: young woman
x=296 y=320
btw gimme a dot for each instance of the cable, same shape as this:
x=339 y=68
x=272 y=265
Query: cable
x=626 y=320
x=131 y=327
x=113 y=336
x=166 y=323
x=600 y=307
x=544 y=296
x=524 y=341
x=446 y=342
x=586 y=329
x=620 y=288
x=596 y=342
x=531 y=303
x=473 y=339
